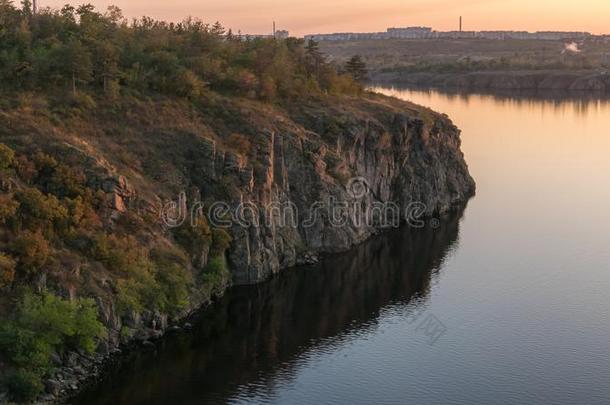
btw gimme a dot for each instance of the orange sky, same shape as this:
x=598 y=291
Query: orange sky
x=322 y=16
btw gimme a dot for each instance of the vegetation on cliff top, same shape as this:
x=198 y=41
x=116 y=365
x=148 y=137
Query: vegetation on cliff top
x=81 y=49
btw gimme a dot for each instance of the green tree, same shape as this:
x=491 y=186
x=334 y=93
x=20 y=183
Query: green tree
x=41 y=325
x=71 y=62
x=356 y=68
x=314 y=58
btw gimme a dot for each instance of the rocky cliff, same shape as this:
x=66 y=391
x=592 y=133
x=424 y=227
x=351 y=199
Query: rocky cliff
x=319 y=180
x=169 y=184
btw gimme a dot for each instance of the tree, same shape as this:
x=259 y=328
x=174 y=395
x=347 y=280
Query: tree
x=356 y=67
x=314 y=58
x=106 y=58
x=217 y=29
x=41 y=325
x=72 y=61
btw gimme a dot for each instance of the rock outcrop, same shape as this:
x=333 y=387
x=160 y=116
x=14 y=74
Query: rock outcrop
x=318 y=186
x=285 y=183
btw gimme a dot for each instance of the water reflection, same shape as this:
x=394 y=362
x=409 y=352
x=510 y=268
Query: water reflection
x=562 y=101
x=240 y=345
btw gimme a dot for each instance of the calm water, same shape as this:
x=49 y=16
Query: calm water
x=517 y=289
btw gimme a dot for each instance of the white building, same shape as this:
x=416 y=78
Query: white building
x=410 y=32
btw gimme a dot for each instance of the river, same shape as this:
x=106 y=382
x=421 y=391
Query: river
x=507 y=302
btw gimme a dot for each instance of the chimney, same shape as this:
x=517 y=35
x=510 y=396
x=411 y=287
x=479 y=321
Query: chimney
x=34 y=8
x=274 y=29
x=460 y=23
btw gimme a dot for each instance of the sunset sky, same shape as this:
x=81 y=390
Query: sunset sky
x=324 y=16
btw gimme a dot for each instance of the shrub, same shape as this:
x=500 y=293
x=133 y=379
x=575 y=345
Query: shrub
x=81 y=214
x=215 y=276
x=26 y=169
x=193 y=237
x=187 y=84
x=44 y=324
x=7 y=157
x=7 y=270
x=79 y=102
x=122 y=255
x=37 y=210
x=32 y=251
x=66 y=182
x=175 y=281
x=239 y=143
x=8 y=207
x=220 y=242
x=58 y=322
x=139 y=289
x=24 y=385
x=174 y=277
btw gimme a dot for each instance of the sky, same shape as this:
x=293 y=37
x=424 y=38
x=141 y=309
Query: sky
x=326 y=16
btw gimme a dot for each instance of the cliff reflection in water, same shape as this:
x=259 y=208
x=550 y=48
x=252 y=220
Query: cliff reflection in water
x=254 y=333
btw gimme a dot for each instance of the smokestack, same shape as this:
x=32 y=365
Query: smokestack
x=460 y=23
x=274 y=29
x=34 y=8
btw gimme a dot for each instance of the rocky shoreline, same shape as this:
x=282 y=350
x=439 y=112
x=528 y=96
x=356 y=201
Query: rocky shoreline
x=75 y=371
x=301 y=155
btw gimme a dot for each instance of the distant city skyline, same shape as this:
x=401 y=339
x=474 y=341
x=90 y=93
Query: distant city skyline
x=329 y=16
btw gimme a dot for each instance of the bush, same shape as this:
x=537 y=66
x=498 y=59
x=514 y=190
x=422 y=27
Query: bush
x=220 y=242
x=23 y=385
x=7 y=270
x=139 y=289
x=215 y=276
x=66 y=182
x=121 y=255
x=155 y=286
x=239 y=143
x=8 y=208
x=44 y=324
x=60 y=323
x=175 y=281
x=7 y=157
x=174 y=277
x=193 y=237
x=38 y=211
x=32 y=251
x=187 y=84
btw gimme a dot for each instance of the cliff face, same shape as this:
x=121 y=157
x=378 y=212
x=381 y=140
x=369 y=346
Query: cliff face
x=320 y=182
x=286 y=182
x=283 y=183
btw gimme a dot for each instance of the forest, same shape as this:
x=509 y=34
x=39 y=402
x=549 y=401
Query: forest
x=81 y=50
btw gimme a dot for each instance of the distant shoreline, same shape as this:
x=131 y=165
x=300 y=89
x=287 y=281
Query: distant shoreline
x=597 y=81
